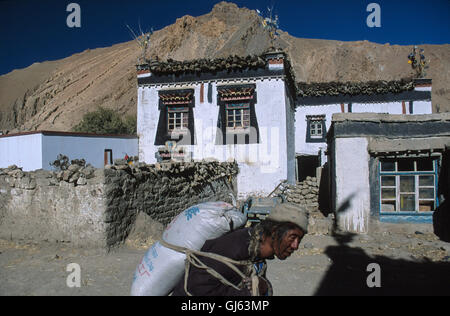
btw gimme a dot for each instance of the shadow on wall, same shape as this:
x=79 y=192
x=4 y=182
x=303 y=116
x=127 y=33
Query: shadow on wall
x=441 y=216
x=324 y=191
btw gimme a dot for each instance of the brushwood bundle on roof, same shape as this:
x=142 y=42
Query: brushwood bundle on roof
x=353 y=88
x=206 y=65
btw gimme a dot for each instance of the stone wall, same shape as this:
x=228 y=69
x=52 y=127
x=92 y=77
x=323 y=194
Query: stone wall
x=38 y=206
x=306 y=193
x=161 y=191
x=98 y=207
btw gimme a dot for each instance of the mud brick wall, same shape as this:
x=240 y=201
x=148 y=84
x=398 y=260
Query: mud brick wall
x=98 y=207
x=161 y=191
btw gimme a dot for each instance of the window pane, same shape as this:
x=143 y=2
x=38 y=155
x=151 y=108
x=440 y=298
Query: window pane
x=388 y=181
x=426 y=193
x=405 y=165
x=388 y=206
x=407 y=202
x=426 y=206
x=387 y=193
x=407 y=184
x=426 y=180
x=425 y=165
x=387 y=166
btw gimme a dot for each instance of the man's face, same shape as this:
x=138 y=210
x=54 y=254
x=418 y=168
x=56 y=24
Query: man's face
x=288 y=244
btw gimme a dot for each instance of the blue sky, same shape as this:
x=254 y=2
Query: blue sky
x=36 y=30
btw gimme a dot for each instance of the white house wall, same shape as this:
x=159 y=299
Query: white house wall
x=302 y=147
x=91 y=149
x=22 y=150
x=262 y=166
x=352 y=198
x=422 y=107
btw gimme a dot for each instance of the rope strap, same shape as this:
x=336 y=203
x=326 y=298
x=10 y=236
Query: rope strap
x=192 y=258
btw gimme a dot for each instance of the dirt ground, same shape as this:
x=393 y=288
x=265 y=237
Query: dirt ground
x=411 y=261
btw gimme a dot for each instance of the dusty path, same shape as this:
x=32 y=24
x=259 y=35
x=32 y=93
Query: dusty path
x=413 y=262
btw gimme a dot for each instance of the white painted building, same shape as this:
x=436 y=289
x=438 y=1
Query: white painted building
x=316 y=104
x=232 y=115
x=388 y=168
x=37 y=150
x=251 y=110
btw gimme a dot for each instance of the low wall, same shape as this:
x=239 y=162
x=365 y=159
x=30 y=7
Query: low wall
x=98 y=207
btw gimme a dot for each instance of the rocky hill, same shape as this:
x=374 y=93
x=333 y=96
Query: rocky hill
x=54 y=95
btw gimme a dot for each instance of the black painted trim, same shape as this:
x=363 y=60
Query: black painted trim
x=393 y=129
x=162 y=135
x=222 y=138
x=224 y=74
x=310 y=139
x=374 y=184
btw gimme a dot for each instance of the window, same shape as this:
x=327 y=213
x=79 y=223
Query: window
x=408 y=185
x=315 y=129
x=237 y=122
x=177 y=119
x=238 y=116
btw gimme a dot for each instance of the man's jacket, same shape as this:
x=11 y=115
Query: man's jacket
x=240 y=245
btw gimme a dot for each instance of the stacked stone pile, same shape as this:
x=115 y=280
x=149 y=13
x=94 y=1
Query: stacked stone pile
x=205 y=65
x=318 y=89
x=305 y=193
x=76 y=174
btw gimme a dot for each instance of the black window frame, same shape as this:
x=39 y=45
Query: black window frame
x=316 y=118
x=163 y=134
x=225 y=136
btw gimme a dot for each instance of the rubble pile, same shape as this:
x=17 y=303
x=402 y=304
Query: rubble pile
x=305 y=193
x=318 y=89
x=205 y=65
x=76 y=174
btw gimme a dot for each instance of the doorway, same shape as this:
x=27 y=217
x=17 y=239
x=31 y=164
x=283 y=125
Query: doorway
x=306 y=166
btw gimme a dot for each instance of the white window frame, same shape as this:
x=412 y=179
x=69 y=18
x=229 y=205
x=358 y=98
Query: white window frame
x=314 y=127
x=413 y=173
x=173 y=116
x=244 y=125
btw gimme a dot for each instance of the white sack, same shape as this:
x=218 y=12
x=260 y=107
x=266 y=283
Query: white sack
x=162 y=268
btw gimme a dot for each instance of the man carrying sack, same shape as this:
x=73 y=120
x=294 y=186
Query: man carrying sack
x=242 y=270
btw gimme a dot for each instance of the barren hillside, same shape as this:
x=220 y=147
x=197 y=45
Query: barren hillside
x=55 y=95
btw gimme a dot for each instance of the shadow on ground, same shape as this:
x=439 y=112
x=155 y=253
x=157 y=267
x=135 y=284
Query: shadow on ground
x=348 y=274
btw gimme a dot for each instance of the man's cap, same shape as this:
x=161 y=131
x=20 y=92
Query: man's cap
x=289 y=212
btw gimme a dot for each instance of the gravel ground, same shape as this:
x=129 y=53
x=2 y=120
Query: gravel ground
x=411 y=261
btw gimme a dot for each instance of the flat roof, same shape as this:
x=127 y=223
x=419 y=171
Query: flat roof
x=77 y=134
x=384 y=117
